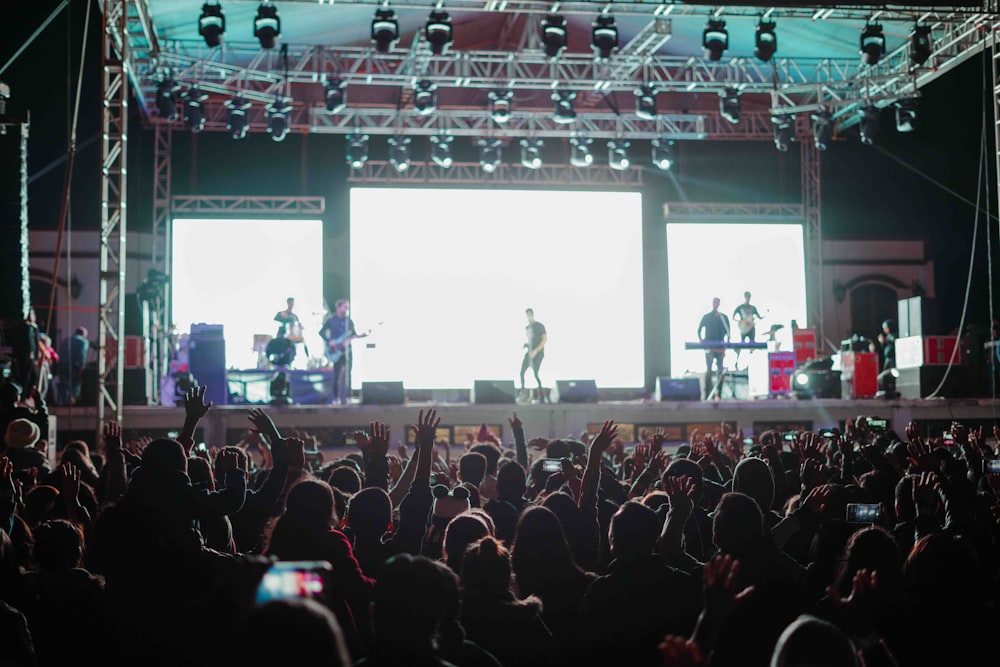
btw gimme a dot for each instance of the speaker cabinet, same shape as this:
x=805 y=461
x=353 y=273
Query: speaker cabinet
x=493 y=391
x=382 y=393
x=576 y=391
x=207 y=360
x=678 y=389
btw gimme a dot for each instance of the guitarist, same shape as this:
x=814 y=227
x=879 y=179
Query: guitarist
x=338 y=331
x=747 y=315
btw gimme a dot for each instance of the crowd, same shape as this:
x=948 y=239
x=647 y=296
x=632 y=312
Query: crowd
x=726 y=551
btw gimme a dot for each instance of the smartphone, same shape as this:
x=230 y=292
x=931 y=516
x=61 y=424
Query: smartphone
x=293 y=579
x=827 y=433
x=993 y=465
x=552 y=465
x=790 y=436
x=748 y=442
x=863 y=513
x=878 y=425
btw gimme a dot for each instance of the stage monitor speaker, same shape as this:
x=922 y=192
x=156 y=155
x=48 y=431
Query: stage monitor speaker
x=493 y=391
x=576 y=391
x=678 y=389
x=207 y=361
x=382 y=393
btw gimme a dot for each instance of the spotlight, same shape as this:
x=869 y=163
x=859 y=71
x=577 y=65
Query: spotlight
x=579 y=151
x=399 y=153
x=424 y=98
x=166 y=100
x=886 y=382
x=500 y=105
x=277 y=118
x=920 y=44
x=663 y=154
x=438 y=31
x=236 y=117
x=531 y=153
x=766 y=41
x=564 y=112
x=385 y=30
x=784 y=131
x=802 y=380
x=267 y=25
x=441 y=153
x=872 y=43
x=715 y=39
x=645 y=102
x=211 y=23
x=194 y=113
x=869 y=125
x=822 y=129
x=335 y=95
x=618 y=155
x=280 y=388
x=729 y=105
x=906 y=115
x=357 y=150
x=816 y=379
x=553 y=35
x=489 y=154
x=604 y=36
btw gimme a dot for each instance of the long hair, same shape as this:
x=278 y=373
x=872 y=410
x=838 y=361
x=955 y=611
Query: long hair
x=309 y=514
x=541 y=554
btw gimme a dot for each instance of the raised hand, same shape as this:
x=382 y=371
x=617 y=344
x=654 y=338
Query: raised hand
x=920 y=456
x=680 y=491
x=426 y=428
x=70 y=486
x=656 y=442
x=362 y=442
x=112 y=436
x=811 y=473
x=721 y=595
x=603 y=440
x=911 y=431
x=640 y=455
x=862 y=588
x=815 y=500
x=515 y=422
x=195 y=407
x=926 y=493
x=229 y=461
x=378 y=439
x=264 y=424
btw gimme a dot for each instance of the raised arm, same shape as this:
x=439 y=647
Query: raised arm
x=375 y=447
x=592 y=473
x=520 y=443
x=195 y=409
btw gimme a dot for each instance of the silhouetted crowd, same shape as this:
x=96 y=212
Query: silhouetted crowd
x=853 y=548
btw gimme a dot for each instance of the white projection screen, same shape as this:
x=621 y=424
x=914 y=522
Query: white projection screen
x=239 y=273
x=707 y=260
x=442 y=277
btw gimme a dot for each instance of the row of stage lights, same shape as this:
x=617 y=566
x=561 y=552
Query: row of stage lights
x=491 y=152
x=554 y=35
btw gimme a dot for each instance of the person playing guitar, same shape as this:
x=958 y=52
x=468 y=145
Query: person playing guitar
x=746 y=315
x=338 y=331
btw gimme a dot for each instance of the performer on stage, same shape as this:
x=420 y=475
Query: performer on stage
x=534 y=349
x=714 y=326
x=338 y=331
x=290 y=326
x=747 y=315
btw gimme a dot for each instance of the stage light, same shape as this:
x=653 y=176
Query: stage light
x=663 y=153
x=920 y=44
x=211 y=23
x=886 y=382
x=531 y=153
x=553 y=35
x=869 y=125
x=802 y=380
x=236 y=117
x=564 y=112
x=385 y=30
x=489 y=154
x=822 y=129
x=766 y=41
x=715 y=39
x=816 y=379
x=872 y=43
x=784 y=131
x=500 y=106
x=357 y=150
x=280 y=388
x=277 y=118
x=618 y=155
x=267 y=25
x=645 y=102
x=194 y=112
x=441 y=152
x=729 y=105
x=438 y=31
x=424 y=98
x=604 y=36
x=579 y=151
x=906 y=115
x=335 y=95
x=166 y=99
x=399 y=153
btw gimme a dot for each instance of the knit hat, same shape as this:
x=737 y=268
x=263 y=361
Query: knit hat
x=22 y=434
x=449 y=504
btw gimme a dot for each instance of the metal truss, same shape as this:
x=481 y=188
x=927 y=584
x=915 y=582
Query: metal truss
x=114 y=144
x=162 y=247
x=811 y=190
x=699 y=212
x=213 y=205
x=505 y=174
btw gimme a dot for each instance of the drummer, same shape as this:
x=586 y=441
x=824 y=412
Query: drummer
x=290 y=326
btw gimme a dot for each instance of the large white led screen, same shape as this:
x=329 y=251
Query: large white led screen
x=442 y=277
x=239 y=273
x=725 y=260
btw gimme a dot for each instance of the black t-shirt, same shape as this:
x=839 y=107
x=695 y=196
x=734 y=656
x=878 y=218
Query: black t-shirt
x=746 y=311
x=715 y=325
x=534 y=332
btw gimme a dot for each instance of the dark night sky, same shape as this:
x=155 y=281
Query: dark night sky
x=867 y=193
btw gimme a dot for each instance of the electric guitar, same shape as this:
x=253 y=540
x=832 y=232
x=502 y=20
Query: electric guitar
x=747 y=323
x=337 y=347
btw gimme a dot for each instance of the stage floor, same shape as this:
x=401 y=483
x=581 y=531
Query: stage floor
x=330 y=423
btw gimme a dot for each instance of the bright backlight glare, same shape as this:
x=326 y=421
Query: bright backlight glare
x=725 y=260
x=446 y=297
